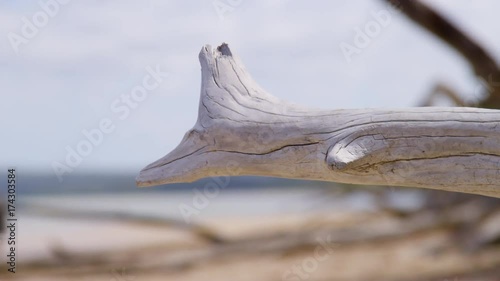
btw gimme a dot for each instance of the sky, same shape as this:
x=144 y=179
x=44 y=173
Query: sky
x=65 y=77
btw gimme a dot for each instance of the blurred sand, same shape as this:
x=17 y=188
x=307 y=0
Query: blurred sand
x=124 y=253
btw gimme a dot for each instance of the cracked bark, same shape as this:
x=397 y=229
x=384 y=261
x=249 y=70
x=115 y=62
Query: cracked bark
x=243 y=130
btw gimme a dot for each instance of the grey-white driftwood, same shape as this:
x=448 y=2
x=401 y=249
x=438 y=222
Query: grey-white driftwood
x=243 y=130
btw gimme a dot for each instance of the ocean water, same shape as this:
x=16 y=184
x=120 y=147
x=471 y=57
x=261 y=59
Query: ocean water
x=46 y=221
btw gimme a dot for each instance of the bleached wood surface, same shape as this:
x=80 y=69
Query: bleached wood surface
x=243 y=130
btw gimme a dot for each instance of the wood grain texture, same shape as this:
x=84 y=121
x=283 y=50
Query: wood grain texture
x=243 y=130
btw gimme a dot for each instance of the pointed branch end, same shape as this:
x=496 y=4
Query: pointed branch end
x=224 y=50
x=208 y=53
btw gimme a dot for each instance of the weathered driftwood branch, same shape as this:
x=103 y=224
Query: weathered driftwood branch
x=243 y=130
x=483 y=63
